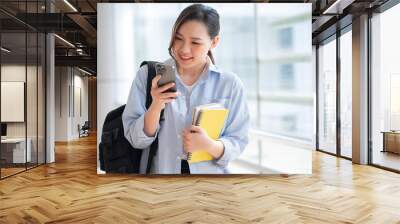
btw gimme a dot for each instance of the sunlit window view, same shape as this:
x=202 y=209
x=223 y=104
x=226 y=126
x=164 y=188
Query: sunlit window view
x=346 y=94
x=263 y=45
x=386 y=90
x=327 y=97
x=335 y=60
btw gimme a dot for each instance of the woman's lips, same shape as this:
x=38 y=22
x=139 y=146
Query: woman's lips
x=185 y=58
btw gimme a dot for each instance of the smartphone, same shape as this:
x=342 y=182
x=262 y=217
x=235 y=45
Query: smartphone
x=167 y=75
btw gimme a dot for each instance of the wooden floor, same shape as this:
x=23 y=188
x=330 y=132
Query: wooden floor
x=386 y=159
x=10 y=171
x=70 y=191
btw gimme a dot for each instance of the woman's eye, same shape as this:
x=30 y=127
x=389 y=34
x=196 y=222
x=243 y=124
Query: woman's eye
x=196 y=43
x=177 y=38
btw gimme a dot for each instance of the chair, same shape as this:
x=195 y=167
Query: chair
x=84 y=130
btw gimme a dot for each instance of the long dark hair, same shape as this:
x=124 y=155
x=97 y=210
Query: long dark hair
x=201 y=13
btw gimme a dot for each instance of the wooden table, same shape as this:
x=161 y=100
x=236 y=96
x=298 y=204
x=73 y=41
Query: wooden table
x=391 y=141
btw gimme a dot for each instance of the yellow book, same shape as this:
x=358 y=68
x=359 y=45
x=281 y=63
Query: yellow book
x=211 y=117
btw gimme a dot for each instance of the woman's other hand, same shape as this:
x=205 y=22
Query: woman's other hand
x=160 y=97
x=195 y=139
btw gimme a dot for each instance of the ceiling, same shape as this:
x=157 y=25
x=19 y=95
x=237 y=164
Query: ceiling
x=76 y=22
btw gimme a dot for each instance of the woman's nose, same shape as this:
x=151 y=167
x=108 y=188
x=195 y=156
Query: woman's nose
x=185 y=48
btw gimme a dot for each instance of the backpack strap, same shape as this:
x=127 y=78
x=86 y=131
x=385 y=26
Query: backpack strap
x=151 y=73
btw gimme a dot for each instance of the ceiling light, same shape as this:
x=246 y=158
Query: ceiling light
x=338 y=6
x=64 y=40
x=5 y=50
x=86 y=72
x=70 y=5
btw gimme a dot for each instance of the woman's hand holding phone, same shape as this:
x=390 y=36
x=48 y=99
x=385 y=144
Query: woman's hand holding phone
x=160 y=95
x=160 y=98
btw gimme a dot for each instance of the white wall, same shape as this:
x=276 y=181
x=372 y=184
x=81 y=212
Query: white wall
x=67 y=117
x=80 y=83
x=14 y=73
x=33 y=126
x=61 y=103
x=17 y=73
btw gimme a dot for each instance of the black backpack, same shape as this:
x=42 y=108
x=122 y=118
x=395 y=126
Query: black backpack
x=116 y=154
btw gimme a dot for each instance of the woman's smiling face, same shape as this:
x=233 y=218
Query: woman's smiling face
x=191 y=44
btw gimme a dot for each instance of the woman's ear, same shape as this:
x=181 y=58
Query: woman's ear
x=215 y=41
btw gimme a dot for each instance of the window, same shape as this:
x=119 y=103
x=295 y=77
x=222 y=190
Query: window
x=289 y=123
x=385 y=89
x=346 y=94
x=22 y=65
x=285 y=37
x=327 y=97
x=287 y=77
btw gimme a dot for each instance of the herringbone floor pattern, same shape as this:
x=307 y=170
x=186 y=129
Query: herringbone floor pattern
x=70 y=191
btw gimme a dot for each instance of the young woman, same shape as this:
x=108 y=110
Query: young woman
x=198 y=82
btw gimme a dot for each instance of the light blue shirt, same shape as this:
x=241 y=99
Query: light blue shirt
x=213 y=86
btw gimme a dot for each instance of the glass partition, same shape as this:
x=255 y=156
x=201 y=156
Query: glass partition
x=13 y=95
x=327 y=97
x=22 y=100
x=41 y=91
x=346 y=94
x=385 y=89
x=31 y=100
